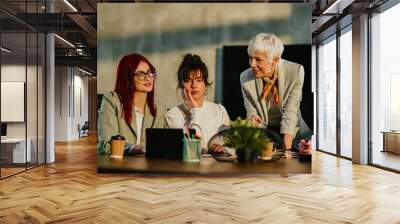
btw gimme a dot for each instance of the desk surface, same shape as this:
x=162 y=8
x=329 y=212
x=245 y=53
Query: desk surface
x=390 y=132
x=13 y=140
x=207 y=166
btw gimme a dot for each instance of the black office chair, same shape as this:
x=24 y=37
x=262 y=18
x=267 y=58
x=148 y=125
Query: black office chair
x=84 y=130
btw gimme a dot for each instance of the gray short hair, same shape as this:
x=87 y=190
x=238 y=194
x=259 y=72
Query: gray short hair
x=268 y=43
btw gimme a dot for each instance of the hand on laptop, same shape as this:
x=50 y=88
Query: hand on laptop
x=136 y=150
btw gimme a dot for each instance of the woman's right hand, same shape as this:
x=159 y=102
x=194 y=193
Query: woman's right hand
x=136 y=150
x=255 y=119
x=188 y=99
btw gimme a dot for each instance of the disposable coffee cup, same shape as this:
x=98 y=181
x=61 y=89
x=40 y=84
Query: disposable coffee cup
x=117 y=146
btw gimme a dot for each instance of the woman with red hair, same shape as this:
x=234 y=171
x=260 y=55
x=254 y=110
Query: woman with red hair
x=130 y=108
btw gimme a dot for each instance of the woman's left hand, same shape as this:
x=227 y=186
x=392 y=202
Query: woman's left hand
x=217 y=148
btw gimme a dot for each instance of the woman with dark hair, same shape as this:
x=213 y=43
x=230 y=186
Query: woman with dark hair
x=130 y=108
x=196 y=112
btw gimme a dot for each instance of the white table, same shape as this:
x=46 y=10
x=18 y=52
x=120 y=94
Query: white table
x=18 y=148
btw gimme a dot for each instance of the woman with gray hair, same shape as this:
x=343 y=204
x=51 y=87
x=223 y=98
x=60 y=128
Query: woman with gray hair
x=272 y=90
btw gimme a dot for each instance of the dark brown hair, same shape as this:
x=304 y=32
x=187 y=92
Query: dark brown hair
x=192 y=62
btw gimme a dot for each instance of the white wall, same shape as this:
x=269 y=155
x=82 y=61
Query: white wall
x=62 y=81
x=13 y=73
x=70 y=83
x=79 y=117
x=33 y=127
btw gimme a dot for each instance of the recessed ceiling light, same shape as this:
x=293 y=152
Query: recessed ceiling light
x=332 y=8
x=5 y=50
x=84 y=71
x=65 y=41
x=70 y=5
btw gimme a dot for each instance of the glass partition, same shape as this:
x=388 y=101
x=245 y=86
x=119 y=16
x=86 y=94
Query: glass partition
x=22 y=100
x=385 y=89
x=327 y=96
x=346 y=94
x=14 y=154
x=41 y=96
x=31 y=98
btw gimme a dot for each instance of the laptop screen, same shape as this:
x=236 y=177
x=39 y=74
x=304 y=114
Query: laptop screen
x=3 y=129
x=164 y=143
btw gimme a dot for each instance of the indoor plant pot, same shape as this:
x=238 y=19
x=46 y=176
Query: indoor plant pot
x=247 y=138
x=246 y=155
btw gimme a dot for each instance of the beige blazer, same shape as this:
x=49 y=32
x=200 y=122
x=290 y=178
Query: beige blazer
x=111 y=122
x=290 y=84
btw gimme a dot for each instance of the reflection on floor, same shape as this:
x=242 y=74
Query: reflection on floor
x=8 y=169
x=346 y=152
x=387 y=159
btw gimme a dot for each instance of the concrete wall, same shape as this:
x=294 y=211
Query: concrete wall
x=165 y=32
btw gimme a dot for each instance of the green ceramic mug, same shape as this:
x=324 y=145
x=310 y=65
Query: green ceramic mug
x=191 y=150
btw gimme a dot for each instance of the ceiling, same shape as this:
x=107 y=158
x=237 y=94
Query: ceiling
x=76 y=22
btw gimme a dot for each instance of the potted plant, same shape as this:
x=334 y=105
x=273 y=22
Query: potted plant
x=247 y=138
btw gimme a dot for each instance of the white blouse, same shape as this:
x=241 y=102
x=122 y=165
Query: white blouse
x=139 y=122
x=207 y=119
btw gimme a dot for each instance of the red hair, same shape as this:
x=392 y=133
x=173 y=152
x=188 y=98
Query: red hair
x=125 y=88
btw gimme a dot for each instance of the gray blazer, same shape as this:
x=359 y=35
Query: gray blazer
x=290 y=84
x=111 y=122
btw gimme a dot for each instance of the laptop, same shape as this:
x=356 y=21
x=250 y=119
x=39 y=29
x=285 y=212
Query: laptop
x=3 y=131
x=164 y=143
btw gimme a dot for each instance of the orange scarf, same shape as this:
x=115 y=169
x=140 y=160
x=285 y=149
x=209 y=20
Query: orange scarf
x=270 y=86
